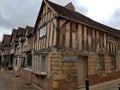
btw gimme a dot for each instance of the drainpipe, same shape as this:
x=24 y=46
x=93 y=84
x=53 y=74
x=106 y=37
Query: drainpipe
x=118 y=86
x=87 y=77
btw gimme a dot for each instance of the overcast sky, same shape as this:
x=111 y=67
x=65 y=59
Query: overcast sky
x=19 y=13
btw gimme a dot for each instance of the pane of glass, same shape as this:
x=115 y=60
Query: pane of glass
x=43 y=64
x=43 y=31
x=29 y=59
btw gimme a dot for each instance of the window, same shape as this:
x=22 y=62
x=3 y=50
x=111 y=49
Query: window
x=26 y=41
x=39 y=64
x=43 y=64
x=101 y=62
x=43 y=31
x=113 y=62
x=29 y=60
x=23 y=61
x=19 y=44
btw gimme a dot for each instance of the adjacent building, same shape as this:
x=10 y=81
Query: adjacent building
x=18 y=48
x=5 y=52
x=27 y=54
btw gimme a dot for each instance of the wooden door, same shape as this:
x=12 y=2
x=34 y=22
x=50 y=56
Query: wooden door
x=81 y=69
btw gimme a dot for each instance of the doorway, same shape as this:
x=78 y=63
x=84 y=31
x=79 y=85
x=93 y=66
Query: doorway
x=81 y=70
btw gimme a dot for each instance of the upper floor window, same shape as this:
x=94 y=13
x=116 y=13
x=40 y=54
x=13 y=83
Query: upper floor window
x=26 y=41
x=43 y=31
x=19 y=44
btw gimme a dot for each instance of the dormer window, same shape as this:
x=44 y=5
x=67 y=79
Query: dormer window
x=43 y=31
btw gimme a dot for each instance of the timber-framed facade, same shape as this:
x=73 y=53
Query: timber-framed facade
x=65 y=48
x=70 y=47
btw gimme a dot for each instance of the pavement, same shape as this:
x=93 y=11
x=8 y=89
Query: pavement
x=110 y=85
x=8 y=81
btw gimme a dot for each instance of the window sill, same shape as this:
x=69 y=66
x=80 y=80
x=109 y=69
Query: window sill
x=43 y=73
x=41 y=37
x=28 y=69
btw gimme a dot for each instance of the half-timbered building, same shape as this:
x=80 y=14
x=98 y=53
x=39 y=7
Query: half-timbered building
x=70 y=47
x=27 y=53
x=63 y=50
x=13 y=43
x=19 y=38
x=6 y=56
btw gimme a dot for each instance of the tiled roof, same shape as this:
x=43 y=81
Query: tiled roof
x=77 y=17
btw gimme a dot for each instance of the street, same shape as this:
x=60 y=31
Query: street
x=110 y=85
x=8 y=81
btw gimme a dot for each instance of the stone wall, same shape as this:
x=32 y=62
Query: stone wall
x=100 y=78
x=62 y=75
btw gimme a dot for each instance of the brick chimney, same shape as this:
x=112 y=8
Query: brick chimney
x=70 y=6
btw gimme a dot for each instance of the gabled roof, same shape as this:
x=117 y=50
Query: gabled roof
x=21 y=31
x=30 y=30
x=6 y=39
x=14 y=34
x=77 y=17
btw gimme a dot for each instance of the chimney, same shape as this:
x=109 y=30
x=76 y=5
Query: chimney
x=70 y=6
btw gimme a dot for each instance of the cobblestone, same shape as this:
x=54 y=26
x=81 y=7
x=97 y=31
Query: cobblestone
x=8 y=81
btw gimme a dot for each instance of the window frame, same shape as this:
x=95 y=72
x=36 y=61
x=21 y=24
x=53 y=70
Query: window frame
x=42 y=31
x=26 y=41
x=41 y=65
x=101 y=62
x=19 y=44
x=27 y=62
x=37 y=64
x=113 y=62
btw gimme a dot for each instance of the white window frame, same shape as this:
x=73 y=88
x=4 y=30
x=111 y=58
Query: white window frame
x=38 y=64
x=43 y=31
x=42 y=70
